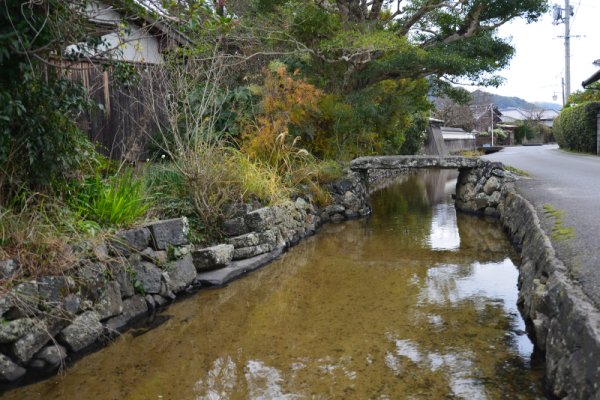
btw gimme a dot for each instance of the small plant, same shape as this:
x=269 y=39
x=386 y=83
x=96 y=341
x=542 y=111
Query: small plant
x=116 y=201
x=517 y=171
x=559 y=232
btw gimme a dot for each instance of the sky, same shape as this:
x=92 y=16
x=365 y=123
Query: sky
x=536 y=70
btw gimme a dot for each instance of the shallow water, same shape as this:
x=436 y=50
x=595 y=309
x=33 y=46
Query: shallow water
x=415 y=302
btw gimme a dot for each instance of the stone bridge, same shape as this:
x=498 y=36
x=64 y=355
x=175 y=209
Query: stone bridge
x=480 y=182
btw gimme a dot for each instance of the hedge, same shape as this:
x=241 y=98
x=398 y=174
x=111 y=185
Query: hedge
x=575 y=127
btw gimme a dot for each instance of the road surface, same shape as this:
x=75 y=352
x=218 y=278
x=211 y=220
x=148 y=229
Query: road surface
x=569 y=183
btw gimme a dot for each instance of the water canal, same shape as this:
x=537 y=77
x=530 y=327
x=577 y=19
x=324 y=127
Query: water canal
x=415 y=302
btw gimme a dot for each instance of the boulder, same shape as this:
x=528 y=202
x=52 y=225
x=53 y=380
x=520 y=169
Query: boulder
x=12 y=331
x=124 y=279
x=92 y=280
x=171 y=232
x=8 y=268
x=491 y=185
x=342 y=186
x=30 y=343
x=148 y=275
x=214 y=257
x=71 y=304
x=22 y=301
x=83 y=331
x=158 y=257
x=159 y=300
x=269 y=238
x=259 y=220
x=9 y=371
x=180 y=273
x=247 y=252
x=133 y=308
x=52 y=289
x=235 y=227
x=130 y=240
x=110 y=302
x=249 y=239
x=51 y=357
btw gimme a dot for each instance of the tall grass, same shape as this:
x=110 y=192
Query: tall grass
x=37 y=233
x=118 y=200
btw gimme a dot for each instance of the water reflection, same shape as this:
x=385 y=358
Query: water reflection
x=383 y=308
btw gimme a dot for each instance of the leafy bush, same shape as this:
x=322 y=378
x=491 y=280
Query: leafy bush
x=118 y=200
x=286 y=103
x=575 y=127
x=523 y=131
x=39 y=141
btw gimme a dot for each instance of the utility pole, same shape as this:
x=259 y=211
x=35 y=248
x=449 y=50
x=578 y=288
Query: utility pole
x=567 y=50
x=560 y=15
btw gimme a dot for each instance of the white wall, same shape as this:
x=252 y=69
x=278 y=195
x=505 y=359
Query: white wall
x=129 y=42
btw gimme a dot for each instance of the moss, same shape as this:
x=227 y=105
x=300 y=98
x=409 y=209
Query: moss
x=517 y=171
x=559 y=232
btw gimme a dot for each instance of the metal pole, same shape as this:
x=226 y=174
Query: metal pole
x=567 y=50
x=564 y=99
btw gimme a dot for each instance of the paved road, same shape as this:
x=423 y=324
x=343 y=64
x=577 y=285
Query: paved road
x=569 y=183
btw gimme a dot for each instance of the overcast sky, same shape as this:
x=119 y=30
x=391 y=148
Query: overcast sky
x=539 y=64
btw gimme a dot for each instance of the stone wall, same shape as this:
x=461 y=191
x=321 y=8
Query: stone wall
x=562 y=321
x=479 y=190
x=48 y=320
x=55 y=317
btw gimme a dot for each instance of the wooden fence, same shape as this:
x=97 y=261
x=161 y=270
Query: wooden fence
x=128 y=117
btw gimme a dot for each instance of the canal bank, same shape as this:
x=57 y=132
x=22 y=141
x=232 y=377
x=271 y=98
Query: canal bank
x=483 y=188
x=415 y=300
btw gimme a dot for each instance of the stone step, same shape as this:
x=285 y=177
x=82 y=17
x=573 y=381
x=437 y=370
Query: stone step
x=236 y=269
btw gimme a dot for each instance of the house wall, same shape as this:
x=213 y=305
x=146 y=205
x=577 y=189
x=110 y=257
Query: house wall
x=454 y=145
x=127 y=43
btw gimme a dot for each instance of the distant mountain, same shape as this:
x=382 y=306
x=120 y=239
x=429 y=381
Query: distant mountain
x=502 y=102
x=549 y=106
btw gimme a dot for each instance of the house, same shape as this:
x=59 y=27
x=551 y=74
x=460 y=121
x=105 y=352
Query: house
x=512 y=115
x=457 y=139
x=592 y=79
x=483 y=116
x=128 y=92
x=127 y=36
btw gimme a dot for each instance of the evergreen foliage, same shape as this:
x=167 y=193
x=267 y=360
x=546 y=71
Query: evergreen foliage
x=575 y=127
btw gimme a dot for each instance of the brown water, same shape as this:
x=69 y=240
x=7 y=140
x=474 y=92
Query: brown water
x=413 y=303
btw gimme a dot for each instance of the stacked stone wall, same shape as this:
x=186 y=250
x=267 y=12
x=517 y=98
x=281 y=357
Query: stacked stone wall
x=561 y=320
x=47 y=321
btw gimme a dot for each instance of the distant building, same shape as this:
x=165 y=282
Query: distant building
x=482 y=114
x=513 y=115
x=457 y=139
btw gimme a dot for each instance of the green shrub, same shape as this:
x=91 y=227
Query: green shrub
x=118 y=200
x=524 y=131
x=575 y=127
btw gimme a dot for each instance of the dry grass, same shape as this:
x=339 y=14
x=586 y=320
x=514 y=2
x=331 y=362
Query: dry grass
x=32 y=235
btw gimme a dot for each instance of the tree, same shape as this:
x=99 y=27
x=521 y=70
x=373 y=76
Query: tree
x=454 y=114
x=351 y=49
x=366 y=42
x=591 y=93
